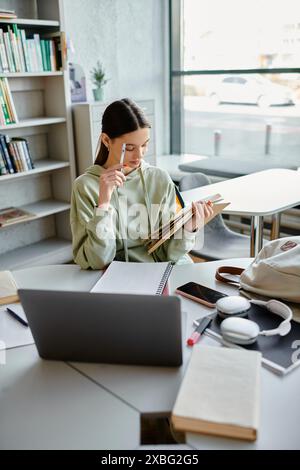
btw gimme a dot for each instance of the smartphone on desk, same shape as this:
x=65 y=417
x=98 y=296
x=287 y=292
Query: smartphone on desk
x=202 y=294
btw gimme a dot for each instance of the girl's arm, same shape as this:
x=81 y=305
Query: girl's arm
x=93 y=232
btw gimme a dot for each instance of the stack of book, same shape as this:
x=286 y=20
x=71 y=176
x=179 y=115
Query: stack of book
x=13 y=215
x=21 y=54
x=14 y=155
x=8 y=114
x=7 y=14
x=165 y=232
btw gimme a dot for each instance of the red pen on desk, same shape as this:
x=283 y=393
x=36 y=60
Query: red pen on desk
x=203 y=324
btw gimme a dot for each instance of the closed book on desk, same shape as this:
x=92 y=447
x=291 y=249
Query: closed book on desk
x=219 y=394
x=8 y=288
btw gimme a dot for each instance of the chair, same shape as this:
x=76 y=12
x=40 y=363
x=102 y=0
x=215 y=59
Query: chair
x=219 y=241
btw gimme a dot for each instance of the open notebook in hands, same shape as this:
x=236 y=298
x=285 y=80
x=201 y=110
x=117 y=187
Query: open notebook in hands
x=182 y=217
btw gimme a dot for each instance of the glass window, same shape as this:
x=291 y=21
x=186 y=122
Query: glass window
x=256 y=118
x=247 y=112
x=236 y=34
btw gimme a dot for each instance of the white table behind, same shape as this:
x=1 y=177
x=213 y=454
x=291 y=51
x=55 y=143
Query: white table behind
x=263 y=193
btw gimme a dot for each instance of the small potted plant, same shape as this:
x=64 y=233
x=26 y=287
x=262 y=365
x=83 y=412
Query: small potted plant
x=99 y=80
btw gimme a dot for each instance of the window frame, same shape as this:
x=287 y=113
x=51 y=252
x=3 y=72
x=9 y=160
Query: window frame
x=177 y=74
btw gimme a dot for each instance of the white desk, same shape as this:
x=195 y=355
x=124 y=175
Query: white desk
x=53 y=404
x=49 y=405
x=268 y=192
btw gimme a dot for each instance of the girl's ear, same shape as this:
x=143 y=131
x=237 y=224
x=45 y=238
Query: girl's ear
x=105 y=140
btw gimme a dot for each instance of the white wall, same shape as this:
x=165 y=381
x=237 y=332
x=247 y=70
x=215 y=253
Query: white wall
x=130 y=38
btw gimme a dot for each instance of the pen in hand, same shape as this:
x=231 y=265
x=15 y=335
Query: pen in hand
x=122 y=156
x=122 y=160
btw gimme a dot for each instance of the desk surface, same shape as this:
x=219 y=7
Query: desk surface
x=48 y=405
x=263 y=193
x=40 y=398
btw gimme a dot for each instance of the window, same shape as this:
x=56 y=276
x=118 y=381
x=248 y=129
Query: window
x=235 y=78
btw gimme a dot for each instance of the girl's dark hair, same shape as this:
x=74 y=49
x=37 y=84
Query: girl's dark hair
x=120 y=117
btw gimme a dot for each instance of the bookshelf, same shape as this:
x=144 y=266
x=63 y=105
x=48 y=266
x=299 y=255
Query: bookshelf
x=31 y=22
x=42 y=102
x=30 y=74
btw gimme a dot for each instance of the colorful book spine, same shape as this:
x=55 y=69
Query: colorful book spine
x=9 y=100
x=37 y=42
x=23 y=155
x=22 y=162
x=5 y=153
x=25 y=143
x=4 y=107
x=15 y=156
x=7 y=104
x=2 y=117
x=3 y=55
x=53 y=56
x=14 y=48
x=3 y=169
x=12 y=154
x=9 y=52
x=44 y=57
x=25 y=49
x=19 y=48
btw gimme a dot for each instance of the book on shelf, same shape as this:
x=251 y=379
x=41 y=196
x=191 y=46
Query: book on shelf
x=8 y=288
x=220 y=393
x=8 y=114
x=15 y=155
x=13 y=215
x=21 y=146
x=159 y=236
x=21 y=51
x=7 y=14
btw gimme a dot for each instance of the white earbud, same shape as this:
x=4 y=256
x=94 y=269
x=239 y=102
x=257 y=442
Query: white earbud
x=242 y=331
x=239 y=330
x=233 y=305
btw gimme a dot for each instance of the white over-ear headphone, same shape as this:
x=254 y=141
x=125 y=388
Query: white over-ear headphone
x=242 y=331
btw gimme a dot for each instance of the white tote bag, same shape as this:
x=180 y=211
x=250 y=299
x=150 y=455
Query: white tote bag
x=275 y=272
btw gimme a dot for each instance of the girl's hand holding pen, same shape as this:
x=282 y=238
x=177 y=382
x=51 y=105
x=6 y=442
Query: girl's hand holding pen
x=109 y=179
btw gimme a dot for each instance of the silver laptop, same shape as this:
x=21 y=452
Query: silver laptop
x=109 y=328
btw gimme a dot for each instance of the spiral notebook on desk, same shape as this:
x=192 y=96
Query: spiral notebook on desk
x=134 y=278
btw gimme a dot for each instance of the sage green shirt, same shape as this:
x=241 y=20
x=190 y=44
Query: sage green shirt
x=88 y=223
